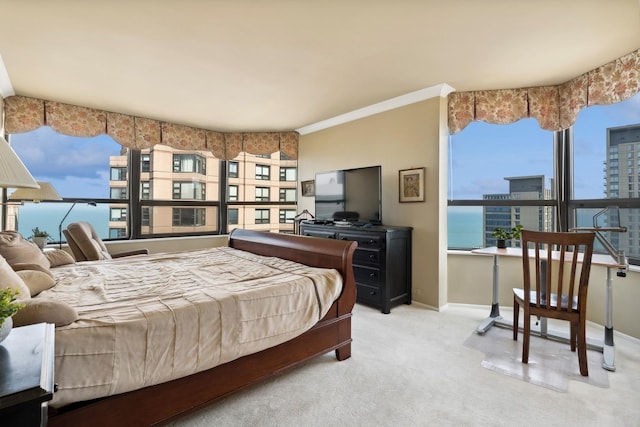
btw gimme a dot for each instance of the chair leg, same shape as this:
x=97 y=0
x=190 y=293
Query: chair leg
x=526 y=334
x=516 y=314
x=582 y=348
x=573 y=332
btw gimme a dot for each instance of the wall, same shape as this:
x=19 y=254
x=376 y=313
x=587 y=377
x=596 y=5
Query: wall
x=403 y=138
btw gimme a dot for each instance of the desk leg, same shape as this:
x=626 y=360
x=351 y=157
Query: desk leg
x=495 y=306
x=608 y=349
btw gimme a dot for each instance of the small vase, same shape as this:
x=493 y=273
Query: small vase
x=41 y=242
x=502 y=244
x=6 y=327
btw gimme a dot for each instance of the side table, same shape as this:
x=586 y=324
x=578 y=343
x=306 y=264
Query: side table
x=26 y=375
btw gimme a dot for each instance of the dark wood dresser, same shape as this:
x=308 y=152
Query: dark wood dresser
x=381 y=263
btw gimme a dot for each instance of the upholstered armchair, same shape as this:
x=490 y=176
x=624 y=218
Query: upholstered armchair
x=86 y=245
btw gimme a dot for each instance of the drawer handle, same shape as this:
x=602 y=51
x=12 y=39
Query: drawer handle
x=372 y=256
x=372 y=275
x=372 y=292
x=371 y=241
x=343 y=238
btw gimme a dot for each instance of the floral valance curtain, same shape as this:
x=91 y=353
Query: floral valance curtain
x=554 y=107
x=24 y=114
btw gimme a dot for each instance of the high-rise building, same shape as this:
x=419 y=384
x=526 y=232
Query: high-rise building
x=622 y=181
x=186 y=182
x=530 y=217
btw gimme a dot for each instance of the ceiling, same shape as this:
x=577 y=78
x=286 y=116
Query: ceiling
x=269 y=65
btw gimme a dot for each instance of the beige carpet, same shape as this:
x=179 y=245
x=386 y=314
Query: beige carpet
x=413 y=367
x=552 y=364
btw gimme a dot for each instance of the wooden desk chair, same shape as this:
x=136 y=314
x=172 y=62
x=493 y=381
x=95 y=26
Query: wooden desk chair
x=570 y=282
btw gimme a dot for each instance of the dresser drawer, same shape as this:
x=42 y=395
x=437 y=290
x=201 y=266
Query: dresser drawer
x=320 y=233
x=367 y=275
x=368 y=294
x=371 y=242
x=373 y=257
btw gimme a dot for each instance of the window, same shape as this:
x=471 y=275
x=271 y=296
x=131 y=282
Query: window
x=119 y=214
x=189 y=217
x=146 y=216
x=118 y=174
x=232 y=216
x=489 y=178
x=288 y=195
x=262 y=216
x=188 y=190
x=263 y=172
x=262 y=194
x=287 y=216
x=145 y=190
x=117 y=233
x=288 y=174
x=189 y=163
x=145 y=162
x=233 y=169
x=118 y=192
x=233 y=193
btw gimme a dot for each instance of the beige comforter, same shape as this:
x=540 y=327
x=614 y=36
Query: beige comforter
x=147 y=320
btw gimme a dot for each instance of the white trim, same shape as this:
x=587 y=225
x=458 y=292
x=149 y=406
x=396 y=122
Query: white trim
x=390 y=104
x=6 y=89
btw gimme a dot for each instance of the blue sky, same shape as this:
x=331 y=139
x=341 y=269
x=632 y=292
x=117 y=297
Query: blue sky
x=77 y=167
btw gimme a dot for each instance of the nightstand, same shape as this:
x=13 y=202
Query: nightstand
x=26 y=375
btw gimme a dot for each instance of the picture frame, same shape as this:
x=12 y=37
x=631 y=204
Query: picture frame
x=412 y=184
x=308 y=188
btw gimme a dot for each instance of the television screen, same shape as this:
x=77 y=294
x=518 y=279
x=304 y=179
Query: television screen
x=350 y=194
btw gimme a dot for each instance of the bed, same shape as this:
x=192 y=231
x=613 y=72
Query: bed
x=170 y=393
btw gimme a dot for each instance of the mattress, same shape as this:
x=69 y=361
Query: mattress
x=147 y=320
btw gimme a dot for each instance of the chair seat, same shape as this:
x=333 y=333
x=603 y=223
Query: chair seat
x=519 y=293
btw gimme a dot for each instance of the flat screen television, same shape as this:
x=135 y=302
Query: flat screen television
x=354 y=195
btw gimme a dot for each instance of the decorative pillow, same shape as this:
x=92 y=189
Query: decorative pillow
x=40 y=310
x=29 y=266
x=15 y=249
x=36 y=281
x=10 y=279
x=58 y=257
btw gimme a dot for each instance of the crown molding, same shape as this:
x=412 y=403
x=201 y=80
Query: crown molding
x=6 y=89
x=440 y=90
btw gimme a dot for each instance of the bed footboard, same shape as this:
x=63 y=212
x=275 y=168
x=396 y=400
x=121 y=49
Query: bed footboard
x=161 y=403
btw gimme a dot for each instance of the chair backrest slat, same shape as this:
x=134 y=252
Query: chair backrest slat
x=551 y=276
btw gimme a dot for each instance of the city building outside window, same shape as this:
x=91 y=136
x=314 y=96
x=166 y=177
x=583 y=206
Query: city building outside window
x=189 y=217
x=233 y=193
x=288 y=174
x=233 y=169
x=262 y=216
x=117 y=233
x=287 y=216
x=145 y=190
x=263 y=172
x=262 y=194
x=288 y=195
x=145 y=162
x=189 y=190
x=189 y=163
x=232 y=216
x=118 y=192
x=118 y=174
x=119 y=214
x=146 y=216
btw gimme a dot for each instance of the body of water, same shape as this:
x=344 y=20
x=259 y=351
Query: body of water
x=464 y=227
x=47 y=217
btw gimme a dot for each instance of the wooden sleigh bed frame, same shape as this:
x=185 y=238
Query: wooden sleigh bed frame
x=161 y=403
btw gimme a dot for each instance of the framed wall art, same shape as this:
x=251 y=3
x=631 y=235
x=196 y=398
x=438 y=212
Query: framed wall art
x=308 y=188
x=412 y=185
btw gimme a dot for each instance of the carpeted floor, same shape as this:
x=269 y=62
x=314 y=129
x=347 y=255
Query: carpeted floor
x=419 y=367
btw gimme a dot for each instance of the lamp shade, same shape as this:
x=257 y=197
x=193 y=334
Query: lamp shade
x=45 y=192
x=13 y=173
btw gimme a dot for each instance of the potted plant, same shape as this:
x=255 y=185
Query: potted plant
x=8 y=307
x=503 y=235
x=39 y=237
